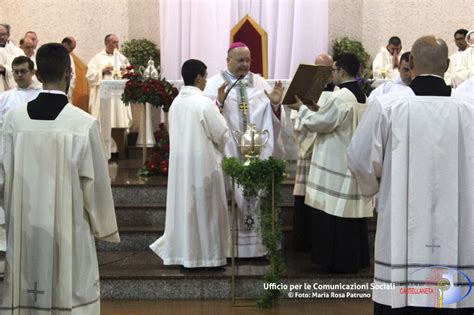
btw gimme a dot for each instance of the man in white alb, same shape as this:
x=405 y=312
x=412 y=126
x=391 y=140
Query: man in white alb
x=387 y=61
x=415 y=148
x=197 y=232
x=114 y=114
x=57 y=199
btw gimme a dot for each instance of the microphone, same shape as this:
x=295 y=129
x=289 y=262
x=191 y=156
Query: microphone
x=228 y=91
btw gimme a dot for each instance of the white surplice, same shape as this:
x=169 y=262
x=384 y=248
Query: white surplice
x=417 y=152
x=197 y=230
x=383 y=62
x=466 y=87
x=387 y=87
x=120 y=114
x=57 y=198
x=249 y=239
x=465 y=67
x=330 y=186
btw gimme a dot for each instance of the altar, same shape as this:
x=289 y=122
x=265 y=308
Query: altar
x=114 y=88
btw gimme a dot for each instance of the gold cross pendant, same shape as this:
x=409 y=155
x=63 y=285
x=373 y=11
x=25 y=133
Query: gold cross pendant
x=243 y=108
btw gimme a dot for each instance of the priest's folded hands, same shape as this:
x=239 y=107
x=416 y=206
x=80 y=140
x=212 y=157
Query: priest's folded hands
x=296 y=106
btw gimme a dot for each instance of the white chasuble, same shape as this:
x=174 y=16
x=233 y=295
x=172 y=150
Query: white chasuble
x=197 y=230
x=57 y=200
x=417 y=152
x=260 y=113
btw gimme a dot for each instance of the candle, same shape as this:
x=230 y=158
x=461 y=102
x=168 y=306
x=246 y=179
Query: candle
x=116 y=61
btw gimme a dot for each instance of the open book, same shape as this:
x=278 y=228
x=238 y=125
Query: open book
x=308 y=83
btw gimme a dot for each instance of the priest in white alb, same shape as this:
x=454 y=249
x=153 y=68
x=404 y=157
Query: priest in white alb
x=57 y=199
x=25 y=90
x=339 y=217
x=8 y=51
x=197 y=232
x=246 y=98
x=416 y=149
x=461 y=44
x=465 y=66
x=112 y=113
x=387 y=61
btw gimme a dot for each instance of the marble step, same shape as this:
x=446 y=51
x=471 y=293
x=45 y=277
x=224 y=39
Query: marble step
x=137 y=238
x=155 y=193
x=142 y=275
x=155 y=215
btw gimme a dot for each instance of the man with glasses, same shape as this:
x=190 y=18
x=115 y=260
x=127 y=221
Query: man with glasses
x=465 y=67
x=461 y=43
x=8 y=51
x=246 y=98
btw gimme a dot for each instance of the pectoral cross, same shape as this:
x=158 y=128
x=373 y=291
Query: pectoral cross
x=35 y=291
x=244 y=108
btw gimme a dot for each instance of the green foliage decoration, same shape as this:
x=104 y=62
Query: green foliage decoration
x=139 y=51
x=256 y=178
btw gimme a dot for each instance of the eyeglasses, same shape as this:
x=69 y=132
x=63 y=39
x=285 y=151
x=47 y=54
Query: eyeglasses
x=337 y=69
x=20 y=71
x=3 y=34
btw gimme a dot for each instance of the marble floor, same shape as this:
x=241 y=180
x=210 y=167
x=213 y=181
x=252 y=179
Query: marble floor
x=224 y=307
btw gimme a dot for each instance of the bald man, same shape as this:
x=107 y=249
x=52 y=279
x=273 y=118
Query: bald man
x=113 y=113
x=415 y=148
x=305 y=141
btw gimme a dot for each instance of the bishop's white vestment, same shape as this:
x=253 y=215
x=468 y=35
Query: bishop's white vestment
x=197 y=232
x=58 y=200
x=418 y=153
x=260 y=113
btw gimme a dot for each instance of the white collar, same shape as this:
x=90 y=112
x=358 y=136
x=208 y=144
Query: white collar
x=430 y=75
x=54 y=92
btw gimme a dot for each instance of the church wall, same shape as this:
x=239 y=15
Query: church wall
x=371 y=21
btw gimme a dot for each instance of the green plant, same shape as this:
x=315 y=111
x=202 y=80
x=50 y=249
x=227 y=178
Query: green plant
x=347 y=45
x=258 y=176
x=139 y=51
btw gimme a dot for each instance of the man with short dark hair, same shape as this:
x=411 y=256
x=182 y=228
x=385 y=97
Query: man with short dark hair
x=339 y=220
x=197 y=229
x=415 y=148
x=404 y=79
x=465 y=66
x=461 y=43
x=387 y=61
x=114 y=114
x=57 y=199
x=25 y=91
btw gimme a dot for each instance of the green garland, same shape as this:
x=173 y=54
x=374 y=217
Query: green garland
x=255 y=176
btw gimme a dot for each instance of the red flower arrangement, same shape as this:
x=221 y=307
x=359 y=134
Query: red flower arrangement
x=157 y=92
x=159 y=160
